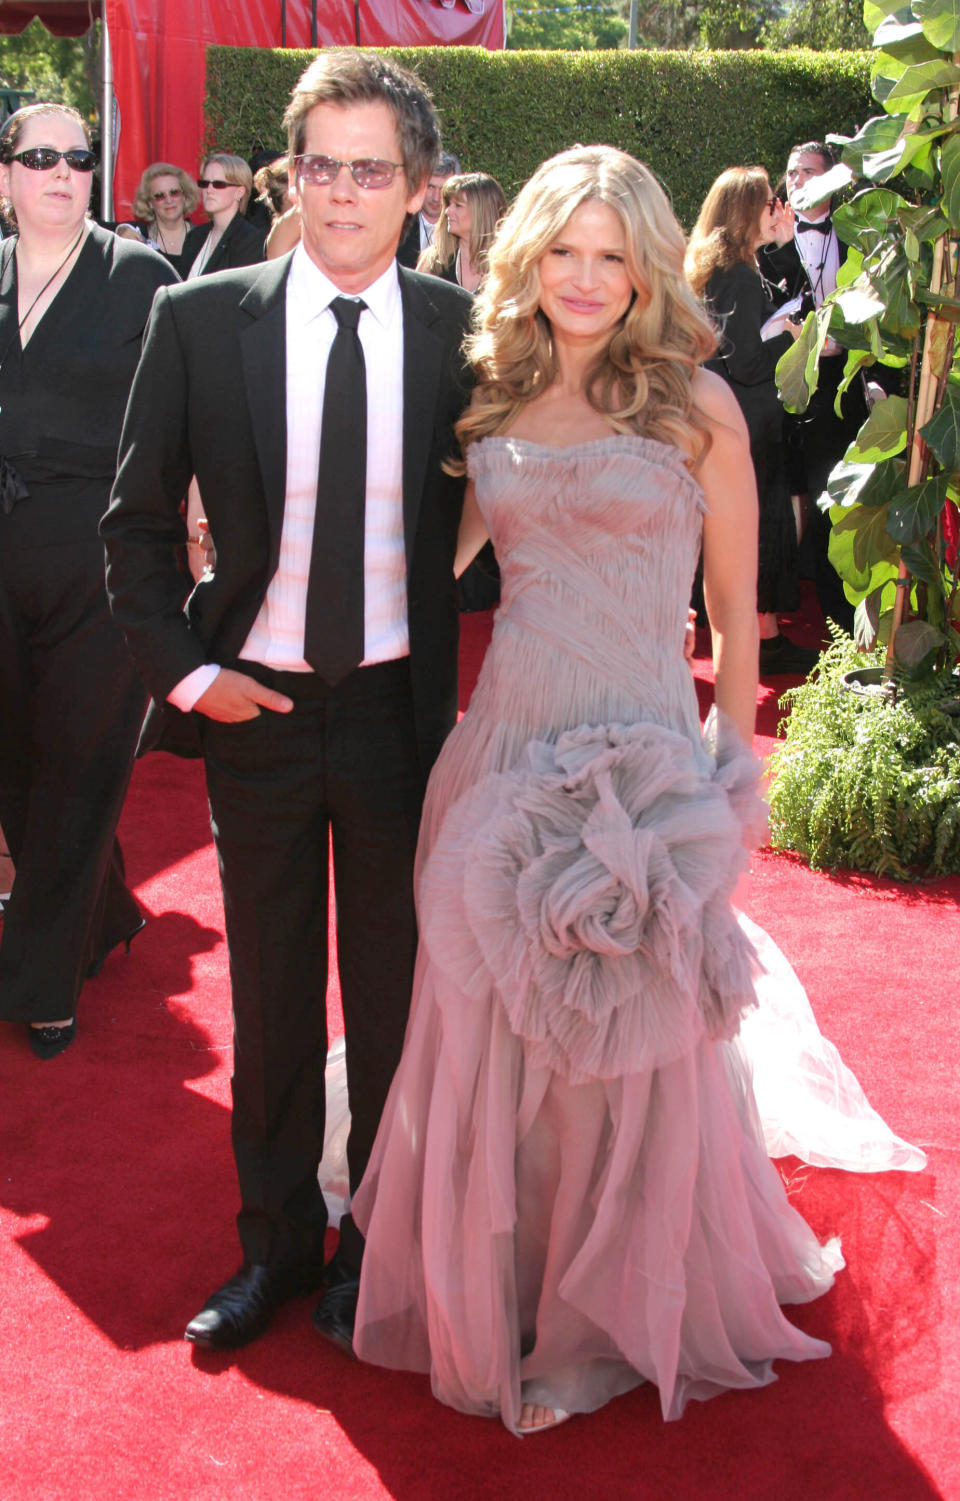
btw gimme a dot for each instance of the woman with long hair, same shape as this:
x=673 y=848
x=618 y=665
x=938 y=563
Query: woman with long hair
x=163 y=203
x=227 y=240
x=74 y=301
x=473 y=205
x=569 y=1192
x=739 y=214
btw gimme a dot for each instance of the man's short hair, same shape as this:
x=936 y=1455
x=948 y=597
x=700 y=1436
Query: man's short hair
x=447 y=165
x=815 y=148
x=343 y=76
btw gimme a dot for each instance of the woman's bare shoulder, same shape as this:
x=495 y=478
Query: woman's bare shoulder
x=716 y=401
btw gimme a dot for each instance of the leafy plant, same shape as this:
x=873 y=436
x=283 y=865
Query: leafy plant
x=893 y=501
x=868 y=782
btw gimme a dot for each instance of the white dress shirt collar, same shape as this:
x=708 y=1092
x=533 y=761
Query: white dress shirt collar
x=314 y=291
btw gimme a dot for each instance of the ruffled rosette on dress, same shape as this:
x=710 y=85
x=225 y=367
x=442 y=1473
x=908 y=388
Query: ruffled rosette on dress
x=588 y=887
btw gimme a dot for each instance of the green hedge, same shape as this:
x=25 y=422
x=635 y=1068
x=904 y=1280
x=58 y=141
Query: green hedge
x=687 y=114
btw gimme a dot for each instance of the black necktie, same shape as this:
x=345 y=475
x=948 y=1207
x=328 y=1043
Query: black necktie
x=333 y=638
x=814 y=227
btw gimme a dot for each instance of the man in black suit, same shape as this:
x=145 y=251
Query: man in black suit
x=805 y=264
x=419 y=233
x=314 y=399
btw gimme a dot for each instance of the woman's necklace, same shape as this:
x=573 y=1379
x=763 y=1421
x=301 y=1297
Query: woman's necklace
x=48 y=283
x=163 y=244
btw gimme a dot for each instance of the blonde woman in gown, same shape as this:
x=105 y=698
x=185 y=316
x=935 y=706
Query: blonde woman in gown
x=569 y=1193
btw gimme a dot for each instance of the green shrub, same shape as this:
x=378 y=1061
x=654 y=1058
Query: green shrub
x=687 y=114
x=864 y=783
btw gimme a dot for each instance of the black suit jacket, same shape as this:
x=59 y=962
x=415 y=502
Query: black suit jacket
x=209 y=399
x=241 y=244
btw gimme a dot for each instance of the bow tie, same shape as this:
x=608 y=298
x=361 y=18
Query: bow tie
x=811 y=227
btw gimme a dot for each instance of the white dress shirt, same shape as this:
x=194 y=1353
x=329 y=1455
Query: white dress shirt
x=820 y=255
x=277 y=634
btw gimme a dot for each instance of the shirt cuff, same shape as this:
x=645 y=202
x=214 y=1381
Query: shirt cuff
x=185 y=694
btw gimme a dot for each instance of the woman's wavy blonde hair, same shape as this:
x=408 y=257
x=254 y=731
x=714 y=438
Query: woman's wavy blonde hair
x=488 y=204
x=143 y=208
x=642 y=380
x=728 y=224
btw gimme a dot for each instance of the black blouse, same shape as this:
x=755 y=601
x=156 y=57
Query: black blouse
x=63 y=398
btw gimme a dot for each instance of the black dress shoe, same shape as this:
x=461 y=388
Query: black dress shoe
x=240 y=1310
x=335 y=1314
x=48 y=1041
x=779 y=654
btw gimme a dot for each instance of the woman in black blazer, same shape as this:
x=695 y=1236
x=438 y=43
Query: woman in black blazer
x=228 y=240
x=74 y=301
x=739 y=214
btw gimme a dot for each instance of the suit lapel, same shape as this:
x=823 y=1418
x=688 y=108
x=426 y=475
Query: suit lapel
x=263 y=345
x=422 y=358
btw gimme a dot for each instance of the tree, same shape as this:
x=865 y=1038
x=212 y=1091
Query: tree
x=568 y=28
x=810 y=23
x=62 y=69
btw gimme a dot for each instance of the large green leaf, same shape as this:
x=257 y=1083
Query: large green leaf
x=872 y=542
x=852 y=483
x=921 y=560
x=891 y=280
x=876 y=12
x=883 y=434
x=858 y=304
x=874 y=212
x=880 y=133
x=916 y=512
x=918 y=79
x=940 y=20
x=942 y=433
x=797 y=369
x=857 y=581
x=917 y=646
x=950 y=169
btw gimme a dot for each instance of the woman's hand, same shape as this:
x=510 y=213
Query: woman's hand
x=784 y=224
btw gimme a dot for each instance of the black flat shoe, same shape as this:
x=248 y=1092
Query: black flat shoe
x=336 y=1313
x=240 y=1310
x=47 y=1042
x=97 y=963
x=780 y=654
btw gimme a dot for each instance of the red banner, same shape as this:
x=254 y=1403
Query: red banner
x=159 y=54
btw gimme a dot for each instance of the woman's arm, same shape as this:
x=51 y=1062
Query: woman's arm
x=730 y=553
x=473 y=531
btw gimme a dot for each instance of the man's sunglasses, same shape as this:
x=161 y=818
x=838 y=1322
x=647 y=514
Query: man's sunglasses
x=44 y=158
x=367 y=171
x=215 y=182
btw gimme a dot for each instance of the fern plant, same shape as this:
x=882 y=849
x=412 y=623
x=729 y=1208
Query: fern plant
x=869 y=782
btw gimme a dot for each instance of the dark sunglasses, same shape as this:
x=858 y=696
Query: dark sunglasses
x=367 y=171
x=44 y=158
x=167 y=193
x=215 y=182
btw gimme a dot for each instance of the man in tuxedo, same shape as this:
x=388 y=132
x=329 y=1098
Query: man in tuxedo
x=805 y=264
x=314 y=399
x=420 y=233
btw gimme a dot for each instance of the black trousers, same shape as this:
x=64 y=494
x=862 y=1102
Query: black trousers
x=342 y=764
x=71 y=705
x=816 y=442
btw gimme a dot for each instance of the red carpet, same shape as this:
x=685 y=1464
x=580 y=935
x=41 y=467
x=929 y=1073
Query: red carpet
x=117 y=1196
